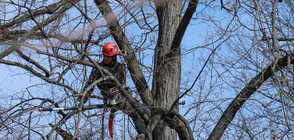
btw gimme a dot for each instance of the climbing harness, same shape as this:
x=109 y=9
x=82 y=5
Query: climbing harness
x=116 y=99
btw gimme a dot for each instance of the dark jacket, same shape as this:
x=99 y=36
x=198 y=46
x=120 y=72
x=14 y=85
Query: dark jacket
x=115 y=68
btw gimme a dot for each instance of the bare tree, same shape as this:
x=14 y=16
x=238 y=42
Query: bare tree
x=237 y=81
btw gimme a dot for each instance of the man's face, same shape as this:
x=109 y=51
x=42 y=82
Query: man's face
x=108 y=59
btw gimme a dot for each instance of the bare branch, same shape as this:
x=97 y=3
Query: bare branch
x=247 y=91
x=123 y=43
x=183 y=25
x=47 y=10
x=65 y=135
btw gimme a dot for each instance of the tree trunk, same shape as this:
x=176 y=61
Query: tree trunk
x=167 y=67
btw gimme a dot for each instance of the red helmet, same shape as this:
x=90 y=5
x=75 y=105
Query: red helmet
x=110 y=49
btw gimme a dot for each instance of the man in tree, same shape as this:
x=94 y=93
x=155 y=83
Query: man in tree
x=109 y=62
x=108 y=88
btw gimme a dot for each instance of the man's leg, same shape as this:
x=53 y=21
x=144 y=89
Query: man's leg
x=127 y=108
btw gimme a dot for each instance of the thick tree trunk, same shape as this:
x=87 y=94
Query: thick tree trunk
x=167 y=67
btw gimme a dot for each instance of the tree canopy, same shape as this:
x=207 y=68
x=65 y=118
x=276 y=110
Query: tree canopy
x=204 y=69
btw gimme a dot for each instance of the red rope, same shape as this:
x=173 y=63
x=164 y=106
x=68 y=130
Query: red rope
x=110 y=125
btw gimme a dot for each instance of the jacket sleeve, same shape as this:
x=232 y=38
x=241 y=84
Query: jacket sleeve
x=95 y=74
x=122 y=75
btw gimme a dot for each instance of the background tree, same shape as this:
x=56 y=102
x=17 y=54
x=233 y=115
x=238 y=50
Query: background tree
x=231 y=61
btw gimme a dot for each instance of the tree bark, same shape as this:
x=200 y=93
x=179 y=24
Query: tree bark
x=167 y=67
